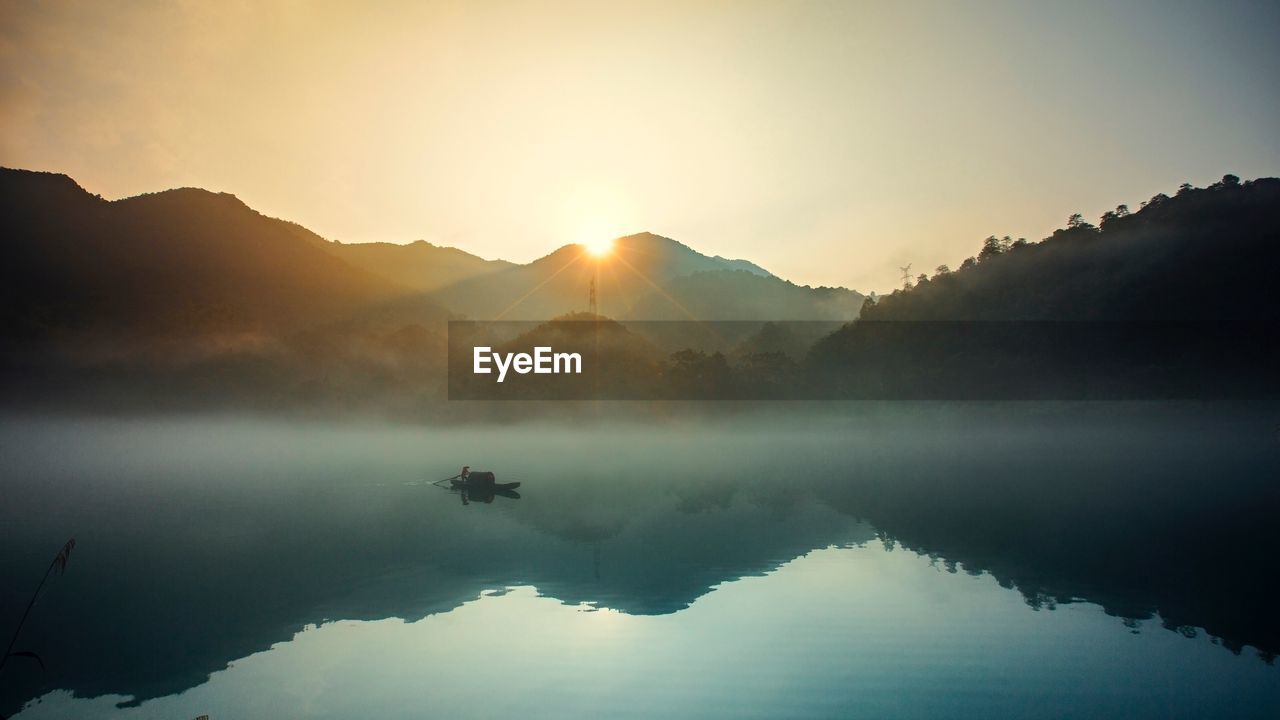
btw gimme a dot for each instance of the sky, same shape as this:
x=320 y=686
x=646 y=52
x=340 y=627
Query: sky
x=830 y=142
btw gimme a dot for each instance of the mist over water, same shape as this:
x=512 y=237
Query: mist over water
x=898 y=559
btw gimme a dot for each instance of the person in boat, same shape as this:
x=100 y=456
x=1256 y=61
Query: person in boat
x=462 y=476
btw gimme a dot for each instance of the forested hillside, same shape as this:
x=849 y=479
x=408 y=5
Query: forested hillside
x=1165 y=301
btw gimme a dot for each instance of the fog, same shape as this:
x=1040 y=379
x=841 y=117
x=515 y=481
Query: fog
x=203 y=539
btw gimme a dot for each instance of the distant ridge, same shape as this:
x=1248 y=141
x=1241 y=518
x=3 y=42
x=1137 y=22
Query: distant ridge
x=735 y=294
x=419 y=265
x=746 y=265
x=634 y=281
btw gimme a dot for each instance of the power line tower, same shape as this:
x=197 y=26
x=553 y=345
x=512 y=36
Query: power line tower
x=906 y=276
x=591 y=298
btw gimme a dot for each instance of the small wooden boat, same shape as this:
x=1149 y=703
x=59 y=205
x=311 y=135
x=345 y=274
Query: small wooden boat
x=483 y=482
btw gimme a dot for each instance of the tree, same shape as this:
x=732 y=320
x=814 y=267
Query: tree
x=993 y=246
x=942 y=270
x=1230 y=180
x=765 y=374
x=1076 y=220
x=990 y=248
x=1122 y=210
x=695 y=374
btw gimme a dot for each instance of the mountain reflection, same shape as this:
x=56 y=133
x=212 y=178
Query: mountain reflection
x=201 y=543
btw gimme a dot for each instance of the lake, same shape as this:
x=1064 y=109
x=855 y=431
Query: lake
x=892 y=560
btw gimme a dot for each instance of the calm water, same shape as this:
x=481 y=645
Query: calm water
x=884 y=561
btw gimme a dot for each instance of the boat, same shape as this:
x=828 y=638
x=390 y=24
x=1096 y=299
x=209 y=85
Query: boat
x=482 y=481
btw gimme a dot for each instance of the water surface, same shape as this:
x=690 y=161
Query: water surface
x=888 y=561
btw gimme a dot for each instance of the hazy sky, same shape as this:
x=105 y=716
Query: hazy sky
x=829 y=142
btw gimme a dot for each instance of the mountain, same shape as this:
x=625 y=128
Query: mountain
x=1148 y=304
x=637 y=266
x=189 y=298
x=418 y=265
x=182 y=262
x=1181 y=257
x=742 y=295
x=744 y=265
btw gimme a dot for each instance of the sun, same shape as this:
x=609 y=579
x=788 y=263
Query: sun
x=598 y=248
x=593 y=216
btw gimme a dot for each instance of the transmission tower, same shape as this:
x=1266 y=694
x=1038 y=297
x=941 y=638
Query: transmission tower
x=906 y=276
x=591 y=298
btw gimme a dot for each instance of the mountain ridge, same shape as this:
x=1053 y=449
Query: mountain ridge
x=188 y=298
x=420 y=265
x=640 y=265
x=637 y=268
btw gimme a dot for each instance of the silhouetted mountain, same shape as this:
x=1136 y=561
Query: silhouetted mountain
x=1149 y=304
x=189 y=298
x=418 y=265
x=183 y=262
x=558 y=283
x=740 y=295
x=1176 y=258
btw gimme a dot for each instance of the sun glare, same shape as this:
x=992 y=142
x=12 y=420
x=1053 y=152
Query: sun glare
x=598 y=248
x=592 y=216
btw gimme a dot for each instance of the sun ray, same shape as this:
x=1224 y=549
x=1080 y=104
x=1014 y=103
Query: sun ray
x=538 y=287
x=659 y=290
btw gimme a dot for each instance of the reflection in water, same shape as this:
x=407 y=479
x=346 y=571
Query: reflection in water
x=203 y=544
x=485 y=495
x=841 y=632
